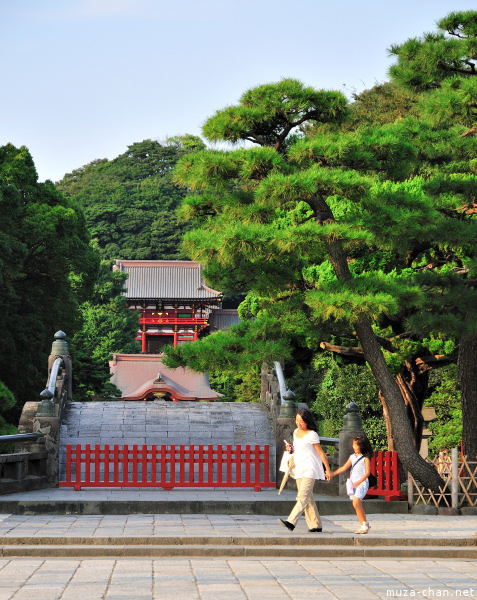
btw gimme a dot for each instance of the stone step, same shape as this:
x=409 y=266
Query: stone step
x=321 y=540
x=122 y=422
x=276 y=506
x=249 y=550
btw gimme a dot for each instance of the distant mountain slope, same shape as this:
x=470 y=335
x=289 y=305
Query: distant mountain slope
x=130 y=202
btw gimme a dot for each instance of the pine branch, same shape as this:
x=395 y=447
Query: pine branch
x=427 y=363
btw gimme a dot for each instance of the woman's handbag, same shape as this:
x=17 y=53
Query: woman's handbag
x=287 y=465
x=349 y=487
x=284 y=464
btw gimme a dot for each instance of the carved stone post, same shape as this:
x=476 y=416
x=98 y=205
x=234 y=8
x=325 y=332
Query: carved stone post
x=352 y=425
x=59 y=349
x=47 y=423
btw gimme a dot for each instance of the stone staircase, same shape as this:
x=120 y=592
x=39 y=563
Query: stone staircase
x=161 y=422
x=235 y=547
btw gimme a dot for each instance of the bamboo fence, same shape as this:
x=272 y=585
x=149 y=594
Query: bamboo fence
x=460 y=483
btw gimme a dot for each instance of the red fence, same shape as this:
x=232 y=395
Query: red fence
x=385 y=465
x=167 y=466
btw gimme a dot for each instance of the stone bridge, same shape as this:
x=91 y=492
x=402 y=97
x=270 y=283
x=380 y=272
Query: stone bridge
x=59 y=422
x=161 y=422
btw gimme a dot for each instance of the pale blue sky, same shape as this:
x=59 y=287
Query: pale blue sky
x=83 y=79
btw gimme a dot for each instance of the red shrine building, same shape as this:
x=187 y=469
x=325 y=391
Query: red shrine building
x=176 y=308
x=175 y=304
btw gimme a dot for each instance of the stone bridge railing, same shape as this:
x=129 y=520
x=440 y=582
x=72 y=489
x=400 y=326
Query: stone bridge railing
x=23 y=471
x=42 y=418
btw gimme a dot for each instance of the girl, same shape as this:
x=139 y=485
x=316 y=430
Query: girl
x=309 y=460
x=360 y=463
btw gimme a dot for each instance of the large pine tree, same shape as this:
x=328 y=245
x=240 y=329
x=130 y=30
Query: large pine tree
x=441 y=66
x=284 y=221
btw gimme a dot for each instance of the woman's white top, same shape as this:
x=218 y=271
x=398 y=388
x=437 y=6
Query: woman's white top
x=357 y=472
x=307 y=460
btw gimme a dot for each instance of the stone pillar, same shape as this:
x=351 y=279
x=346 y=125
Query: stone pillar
x=59 y=349
x=50 y=428
x=352 y=426
x=429 y=415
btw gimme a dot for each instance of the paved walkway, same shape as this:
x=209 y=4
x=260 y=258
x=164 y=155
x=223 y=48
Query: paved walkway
x=384 y=527
x=234 y=579
x=229 y=556
x=222 y=577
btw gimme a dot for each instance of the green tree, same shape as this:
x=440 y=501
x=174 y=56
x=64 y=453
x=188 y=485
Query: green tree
x=130 y=202
x=284 y=220
x=47 y=268
x=442 y=67
x=445 y=399
x=107 y=326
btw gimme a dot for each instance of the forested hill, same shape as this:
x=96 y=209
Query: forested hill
x=130 y=202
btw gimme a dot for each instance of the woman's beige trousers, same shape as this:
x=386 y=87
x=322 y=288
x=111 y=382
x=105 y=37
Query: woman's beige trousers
x=305 y=501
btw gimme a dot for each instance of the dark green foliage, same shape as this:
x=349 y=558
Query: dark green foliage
x=328 y=385
x=266 y=115
x=7 y=402
x=285 y=222
x=130 y=202
x=444 y=397
x=47 y=268
x=107 y=326
x=236 y=388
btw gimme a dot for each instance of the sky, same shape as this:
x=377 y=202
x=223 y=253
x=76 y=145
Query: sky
x=83 y=79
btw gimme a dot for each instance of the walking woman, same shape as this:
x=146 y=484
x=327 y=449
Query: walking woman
x=309 y=461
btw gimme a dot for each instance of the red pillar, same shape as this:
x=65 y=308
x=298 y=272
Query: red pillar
x=143 y=341
x=175 y=336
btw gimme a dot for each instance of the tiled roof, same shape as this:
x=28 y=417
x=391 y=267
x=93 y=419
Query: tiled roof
x=165 y=279
x=136 y=375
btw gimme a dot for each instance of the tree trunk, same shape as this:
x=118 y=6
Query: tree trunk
x=389 y=431
x=466 y=367
x=412 y=390
x=401 y=428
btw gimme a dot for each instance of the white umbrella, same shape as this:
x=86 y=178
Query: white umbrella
x=289 y=471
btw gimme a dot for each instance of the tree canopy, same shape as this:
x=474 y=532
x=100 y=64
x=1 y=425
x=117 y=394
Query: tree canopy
x=332 y=234
x=130 y=202
x=47 y=267
x=441 y=66
x=107 y=326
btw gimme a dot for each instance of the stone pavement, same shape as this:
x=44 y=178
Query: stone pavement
x=215 y=535
x=234 y=579
x=47 y=557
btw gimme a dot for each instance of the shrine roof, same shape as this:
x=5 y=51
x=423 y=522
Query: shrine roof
x=137 y=375
x=165 y=279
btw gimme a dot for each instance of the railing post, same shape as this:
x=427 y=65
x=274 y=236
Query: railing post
x=454 y=478
x=352 y=426
x=47 y=423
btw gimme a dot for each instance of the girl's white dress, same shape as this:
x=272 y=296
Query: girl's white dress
x=307 y=461
x=357 y=472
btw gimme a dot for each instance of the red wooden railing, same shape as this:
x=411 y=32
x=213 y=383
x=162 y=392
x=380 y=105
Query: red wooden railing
x=167 y=466
x=385 y=465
